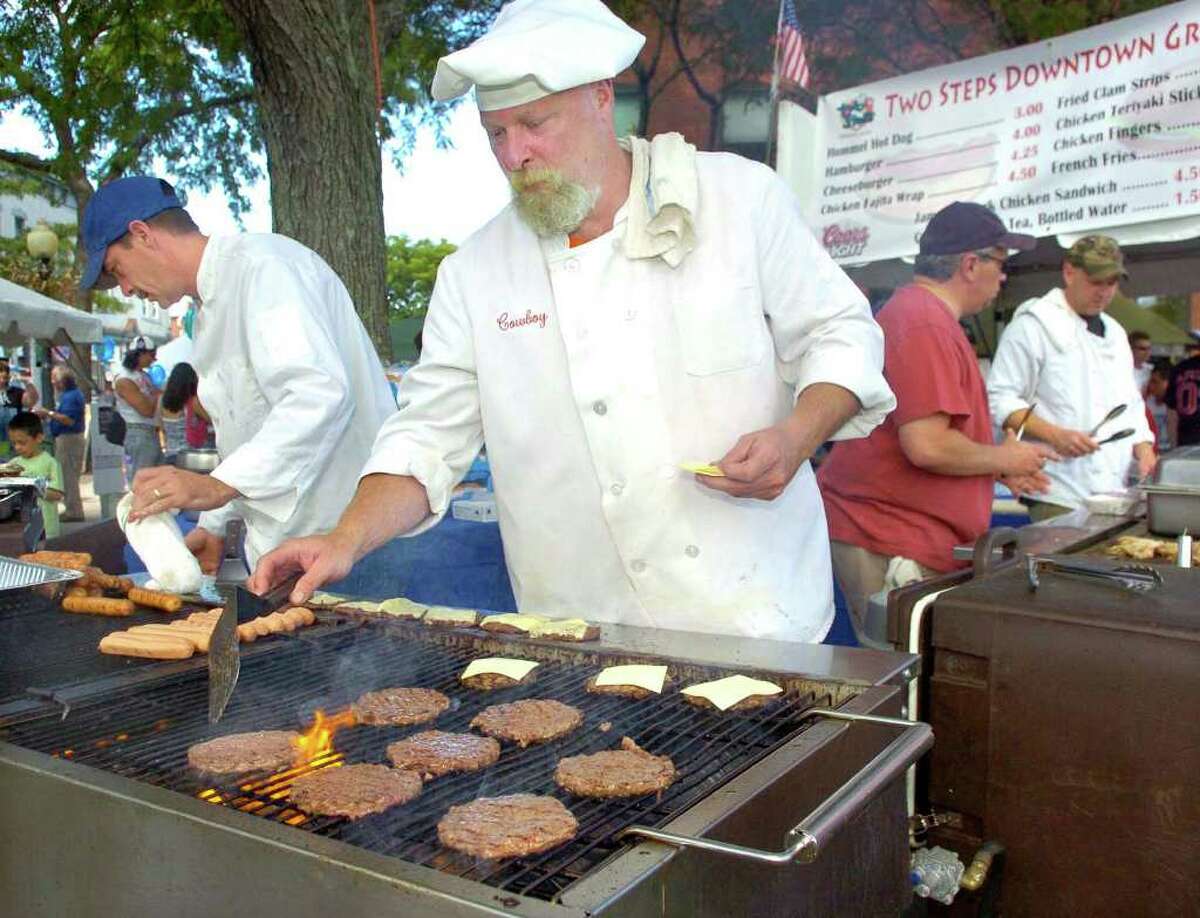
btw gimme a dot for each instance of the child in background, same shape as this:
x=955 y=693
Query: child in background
x=25 y=435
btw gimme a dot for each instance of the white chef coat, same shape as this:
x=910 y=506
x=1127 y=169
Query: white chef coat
x=292 y=383
x=1047 y=356
x=592 y=376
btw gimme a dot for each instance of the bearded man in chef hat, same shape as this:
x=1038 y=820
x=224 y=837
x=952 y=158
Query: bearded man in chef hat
x=735 y=338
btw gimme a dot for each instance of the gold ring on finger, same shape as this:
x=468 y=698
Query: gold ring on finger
x=157 y=494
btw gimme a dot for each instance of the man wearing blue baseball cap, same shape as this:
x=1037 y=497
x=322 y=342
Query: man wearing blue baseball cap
x=287 y=372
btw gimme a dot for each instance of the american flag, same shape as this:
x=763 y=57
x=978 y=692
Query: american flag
x=792 y=61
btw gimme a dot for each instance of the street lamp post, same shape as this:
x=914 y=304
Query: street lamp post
x=42 y=244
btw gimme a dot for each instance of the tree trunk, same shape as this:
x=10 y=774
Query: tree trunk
x=314 y=80
x=82 y=190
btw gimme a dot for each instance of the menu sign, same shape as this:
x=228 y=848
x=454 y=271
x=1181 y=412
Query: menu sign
x=1096 y=129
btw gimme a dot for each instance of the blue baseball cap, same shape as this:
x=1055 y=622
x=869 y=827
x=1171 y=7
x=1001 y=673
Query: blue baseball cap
x=109 y=213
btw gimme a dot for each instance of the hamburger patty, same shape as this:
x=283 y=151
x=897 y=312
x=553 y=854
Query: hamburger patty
x=625 y=691
x=399 y=706
x=496 y=827
x=628 y=772
x=263 y=750
x=486 y=682
x=432 y=753
x=354 y=790
x=530 y=721
x=749 y=703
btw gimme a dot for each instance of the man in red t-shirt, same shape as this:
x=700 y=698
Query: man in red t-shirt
x=921 y=483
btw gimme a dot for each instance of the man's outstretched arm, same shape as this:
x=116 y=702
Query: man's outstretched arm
x=383 y=507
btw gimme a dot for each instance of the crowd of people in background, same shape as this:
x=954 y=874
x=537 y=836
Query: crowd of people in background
x=1171 y=391
x=156 y=424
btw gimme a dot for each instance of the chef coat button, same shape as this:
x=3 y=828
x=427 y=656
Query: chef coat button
x=691 y=551
x=638 y=566
x=617 y=488
x=573 y=265
x=600 y=408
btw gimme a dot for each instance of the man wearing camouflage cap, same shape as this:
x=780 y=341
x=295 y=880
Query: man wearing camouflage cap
x=1062 y=354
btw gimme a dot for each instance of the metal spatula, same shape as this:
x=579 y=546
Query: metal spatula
x=224 y=661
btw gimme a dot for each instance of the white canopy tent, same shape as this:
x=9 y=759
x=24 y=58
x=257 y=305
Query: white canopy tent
x=26 y=314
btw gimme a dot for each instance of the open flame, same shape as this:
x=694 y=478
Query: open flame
x=314 y=749
x=317 y=741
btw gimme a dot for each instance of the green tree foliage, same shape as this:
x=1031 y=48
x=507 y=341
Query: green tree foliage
x=858 y=41
x=113 y=86
x=18 y=266
x=718 y=46
x=1022 y=22
x=412 y=266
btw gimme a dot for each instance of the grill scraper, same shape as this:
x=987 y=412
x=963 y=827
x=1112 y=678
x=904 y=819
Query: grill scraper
x=224 y=661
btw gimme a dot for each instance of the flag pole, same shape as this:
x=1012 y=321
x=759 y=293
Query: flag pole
x=773 y=122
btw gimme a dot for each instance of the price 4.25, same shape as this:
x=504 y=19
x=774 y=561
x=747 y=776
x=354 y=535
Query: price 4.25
x=1022 y=174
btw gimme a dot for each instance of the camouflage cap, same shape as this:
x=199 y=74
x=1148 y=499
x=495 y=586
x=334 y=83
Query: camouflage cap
x=1099 y=256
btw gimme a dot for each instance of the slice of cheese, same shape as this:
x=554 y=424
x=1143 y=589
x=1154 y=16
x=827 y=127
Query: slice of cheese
x=562 y=627
x=519 y=620
x=702 y=468
x=404 y=608
x=446 y=615
x=725 y=693
x=323 y=599
x=362 y=605
x=504 y=666
x=644 y=676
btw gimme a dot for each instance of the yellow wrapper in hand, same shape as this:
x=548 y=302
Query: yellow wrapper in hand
x=702 y=468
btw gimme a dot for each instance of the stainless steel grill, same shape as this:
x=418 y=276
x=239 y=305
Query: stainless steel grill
x=144 y=734
x=733 y=833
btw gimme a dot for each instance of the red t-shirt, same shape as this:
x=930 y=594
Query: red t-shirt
x=874 y=497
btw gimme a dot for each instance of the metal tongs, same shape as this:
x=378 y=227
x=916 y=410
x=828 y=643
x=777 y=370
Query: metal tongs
x=1136 y=577
x=1115 y=412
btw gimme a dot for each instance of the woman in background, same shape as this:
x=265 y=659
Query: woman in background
x=183 y=418
x=137 y=403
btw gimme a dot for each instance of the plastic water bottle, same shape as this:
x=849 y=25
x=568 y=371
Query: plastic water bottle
x=935 y=874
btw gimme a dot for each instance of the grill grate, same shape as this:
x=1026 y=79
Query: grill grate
x=45 y=648
x=144 y=734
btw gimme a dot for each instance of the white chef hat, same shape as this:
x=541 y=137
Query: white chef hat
x=535 y=48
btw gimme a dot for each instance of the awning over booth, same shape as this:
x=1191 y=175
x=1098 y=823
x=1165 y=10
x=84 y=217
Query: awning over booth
x=26 y=314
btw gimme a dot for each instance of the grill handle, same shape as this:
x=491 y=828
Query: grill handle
x=805 y=840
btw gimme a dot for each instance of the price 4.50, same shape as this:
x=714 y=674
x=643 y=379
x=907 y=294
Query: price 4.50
x=1187 y=174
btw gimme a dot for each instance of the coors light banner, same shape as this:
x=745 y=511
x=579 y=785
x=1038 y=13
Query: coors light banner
x=1097 y=129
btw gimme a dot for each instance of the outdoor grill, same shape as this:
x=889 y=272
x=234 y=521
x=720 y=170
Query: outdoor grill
x=112 y=775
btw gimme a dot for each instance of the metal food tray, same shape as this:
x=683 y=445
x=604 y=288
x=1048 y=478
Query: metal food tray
x=1171 y=509
x=21 y=575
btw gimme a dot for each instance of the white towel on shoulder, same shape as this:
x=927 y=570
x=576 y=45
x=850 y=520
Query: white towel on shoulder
x=663 y=193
